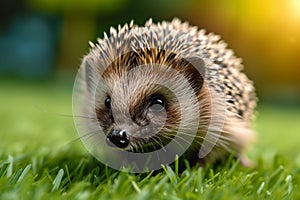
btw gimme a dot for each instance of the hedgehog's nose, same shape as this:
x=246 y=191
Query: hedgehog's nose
x=117 y=138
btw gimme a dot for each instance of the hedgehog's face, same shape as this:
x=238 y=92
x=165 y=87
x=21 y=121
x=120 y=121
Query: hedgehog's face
x=145 y=121
x=138 y=109
x=141 y=107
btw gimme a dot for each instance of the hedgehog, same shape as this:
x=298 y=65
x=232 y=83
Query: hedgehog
x=163 y=90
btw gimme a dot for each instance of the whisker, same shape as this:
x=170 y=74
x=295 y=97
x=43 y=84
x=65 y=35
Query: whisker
x=140 y=146
x=161 y=143
x=89 y=134
x=219 y=136
x=179 y=144
x=216 y=139
x=64 y=115
x=81 y=116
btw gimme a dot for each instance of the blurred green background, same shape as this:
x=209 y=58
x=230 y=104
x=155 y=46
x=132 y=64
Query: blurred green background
x=42 y=38
x=42 y=43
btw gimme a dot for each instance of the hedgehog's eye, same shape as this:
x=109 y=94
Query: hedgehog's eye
x=157 y=103
x=107 y=102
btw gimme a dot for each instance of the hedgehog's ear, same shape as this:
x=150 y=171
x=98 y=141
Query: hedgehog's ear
x=196 y=70
x=88 y=74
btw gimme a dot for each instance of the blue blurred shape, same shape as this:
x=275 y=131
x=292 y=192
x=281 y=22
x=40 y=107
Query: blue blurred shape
x=27 y=48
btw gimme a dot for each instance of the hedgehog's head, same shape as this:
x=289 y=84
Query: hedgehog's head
x=141 y=102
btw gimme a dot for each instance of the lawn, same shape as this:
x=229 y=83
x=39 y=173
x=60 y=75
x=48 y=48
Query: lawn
x=41 y=157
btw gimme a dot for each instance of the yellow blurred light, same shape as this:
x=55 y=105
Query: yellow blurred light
x=295 y=8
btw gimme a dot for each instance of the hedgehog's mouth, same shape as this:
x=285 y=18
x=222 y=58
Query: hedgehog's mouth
x=149 y=144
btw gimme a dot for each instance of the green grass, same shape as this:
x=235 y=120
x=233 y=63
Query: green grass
x=40 y=157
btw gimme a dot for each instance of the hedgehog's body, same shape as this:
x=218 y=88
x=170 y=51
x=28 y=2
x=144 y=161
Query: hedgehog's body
x=209 y=68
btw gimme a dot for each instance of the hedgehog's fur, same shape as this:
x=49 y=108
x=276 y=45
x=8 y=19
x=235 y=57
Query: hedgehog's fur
x=167 y=43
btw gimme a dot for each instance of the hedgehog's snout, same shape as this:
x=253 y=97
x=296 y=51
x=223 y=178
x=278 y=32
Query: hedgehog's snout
x=117 y=137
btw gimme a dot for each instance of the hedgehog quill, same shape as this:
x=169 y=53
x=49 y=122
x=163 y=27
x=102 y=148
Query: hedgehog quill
x=144 y=95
